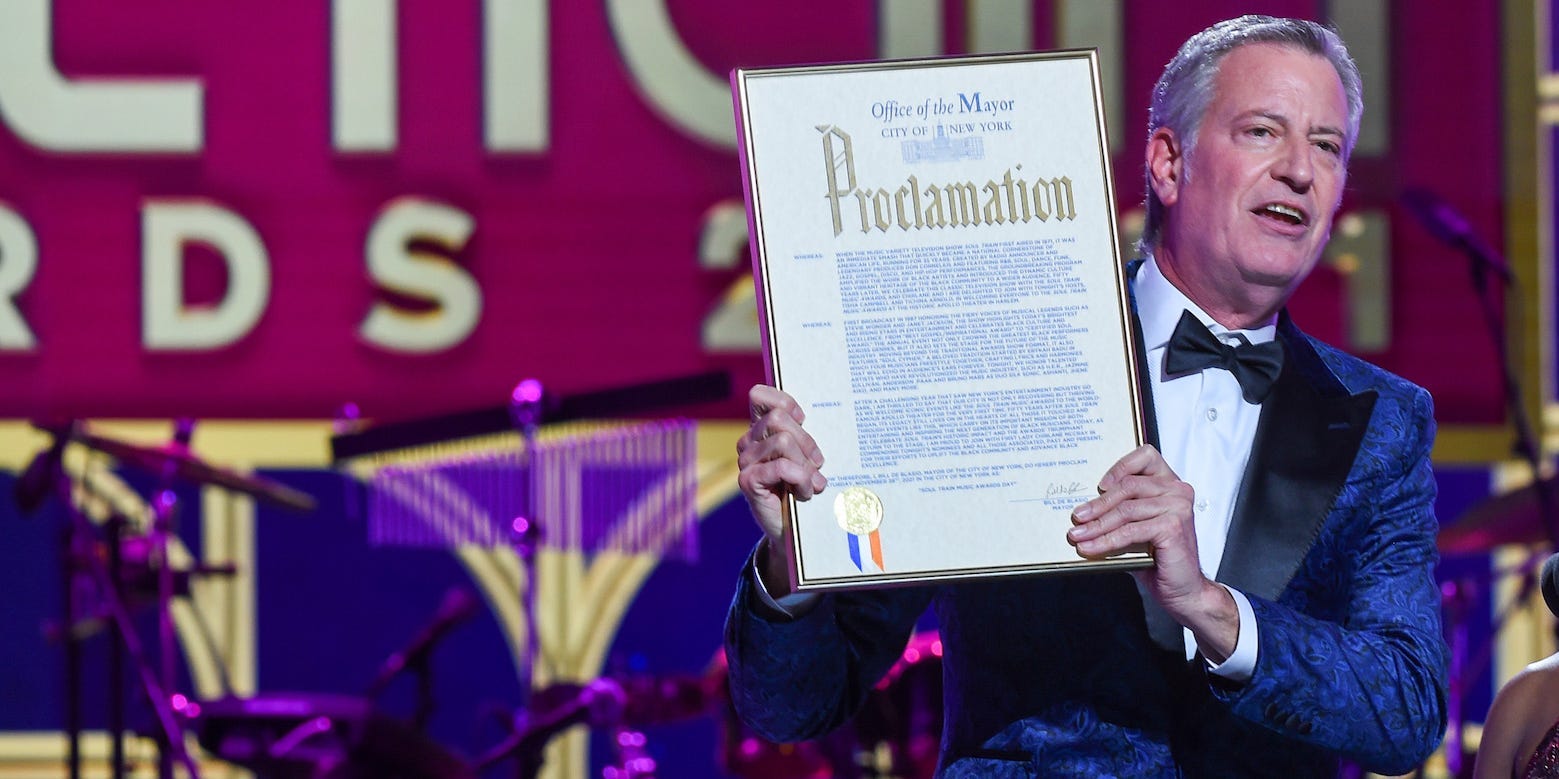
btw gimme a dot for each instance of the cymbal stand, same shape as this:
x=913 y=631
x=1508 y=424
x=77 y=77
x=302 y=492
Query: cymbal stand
x=79 y=529
x=164 y=514
x=77 y=546
x=1527 y=444
x=526 y=410
x=116 y=653
x=71 y=550
x=43 y=476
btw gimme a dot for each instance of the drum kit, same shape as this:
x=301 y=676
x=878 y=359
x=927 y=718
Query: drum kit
x=119 y=569
x=111 y=570
x=123 y=571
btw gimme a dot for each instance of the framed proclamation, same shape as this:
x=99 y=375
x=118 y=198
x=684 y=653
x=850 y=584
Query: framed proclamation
x=940 y=287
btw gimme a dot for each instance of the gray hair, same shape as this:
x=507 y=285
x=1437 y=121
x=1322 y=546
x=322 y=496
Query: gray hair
x=1181 y=97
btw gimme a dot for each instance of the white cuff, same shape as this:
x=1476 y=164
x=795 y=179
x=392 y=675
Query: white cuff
x=792 y=605
x=1239 y=665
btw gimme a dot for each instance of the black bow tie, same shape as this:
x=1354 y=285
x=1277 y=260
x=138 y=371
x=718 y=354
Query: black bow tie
x=1193 y=348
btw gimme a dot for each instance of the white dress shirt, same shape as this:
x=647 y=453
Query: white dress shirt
x=1205 y=432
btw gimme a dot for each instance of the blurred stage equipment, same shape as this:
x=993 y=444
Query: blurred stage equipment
x=582 y=487
x=321 y=736
x=1512 y=519
x=554 y=479
x=107 y=571
x=1452 y=228
x=623 y=706
x=458 y=606
x=1515 y=517
x=313 y=736
x=551 y=711
x=897 y=733
x=531 y=405
x=548 y=472
x=174 y=462
x=1449 y=226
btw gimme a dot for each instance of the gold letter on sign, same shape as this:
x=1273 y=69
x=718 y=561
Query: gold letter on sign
x=733 y=324
x=18 y=262
x=362 y=75
x=393 y=264
x=118 y=115
x=676 y=85
x=167 y=322
x=514 y=75
x=909 y=28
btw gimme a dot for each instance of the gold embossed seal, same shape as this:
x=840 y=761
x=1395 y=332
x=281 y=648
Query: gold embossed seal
x=858 y=510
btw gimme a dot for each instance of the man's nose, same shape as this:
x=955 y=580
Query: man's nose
x=1295 y=168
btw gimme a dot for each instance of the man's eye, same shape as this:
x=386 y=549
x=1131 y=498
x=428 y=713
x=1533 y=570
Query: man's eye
x=1259 y=132
x=1329 y=147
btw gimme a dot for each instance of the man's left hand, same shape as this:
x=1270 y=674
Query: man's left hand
x=1143 y=504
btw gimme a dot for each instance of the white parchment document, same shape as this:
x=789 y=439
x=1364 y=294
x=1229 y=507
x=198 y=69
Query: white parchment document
x=940 y=287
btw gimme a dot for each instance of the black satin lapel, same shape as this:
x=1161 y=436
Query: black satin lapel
x=1144 y=385
x=1162 y=628
x=1306 y=442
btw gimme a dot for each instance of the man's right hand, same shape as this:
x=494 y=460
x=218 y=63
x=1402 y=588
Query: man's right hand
x=776 y=457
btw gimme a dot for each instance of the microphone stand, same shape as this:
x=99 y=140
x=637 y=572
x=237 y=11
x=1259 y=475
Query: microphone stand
x=416 y=657
x=1527 y=446
x=420 y=665
x=169 y=732
x=425 y=703
x=597 y=704
x=1526 y=443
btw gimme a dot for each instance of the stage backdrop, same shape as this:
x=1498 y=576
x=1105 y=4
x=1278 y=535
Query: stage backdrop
x=275 y=209
x=267 y=212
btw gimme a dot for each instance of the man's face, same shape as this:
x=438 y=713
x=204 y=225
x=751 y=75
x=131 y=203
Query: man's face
x=1252 y=207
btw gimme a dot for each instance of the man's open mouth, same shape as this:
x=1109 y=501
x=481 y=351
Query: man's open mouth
x=1287 y=214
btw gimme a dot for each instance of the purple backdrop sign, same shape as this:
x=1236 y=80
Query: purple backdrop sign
x=268 y=210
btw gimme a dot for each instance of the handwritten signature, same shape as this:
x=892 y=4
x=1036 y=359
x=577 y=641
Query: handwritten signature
x=1065 y=488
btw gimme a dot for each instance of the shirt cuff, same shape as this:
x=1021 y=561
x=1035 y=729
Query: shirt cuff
x=795 y=604
x=1241 y=664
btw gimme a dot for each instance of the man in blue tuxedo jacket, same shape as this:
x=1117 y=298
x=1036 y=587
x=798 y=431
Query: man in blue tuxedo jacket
x=1295 y=476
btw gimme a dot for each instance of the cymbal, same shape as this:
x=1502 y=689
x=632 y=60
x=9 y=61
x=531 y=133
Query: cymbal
x=176 y=460
x=1513 y=518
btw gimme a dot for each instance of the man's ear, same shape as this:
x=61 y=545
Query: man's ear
x=1166 y=165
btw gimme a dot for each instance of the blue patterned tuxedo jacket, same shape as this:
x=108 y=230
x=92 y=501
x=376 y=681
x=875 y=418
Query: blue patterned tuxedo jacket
x=1078 y=675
